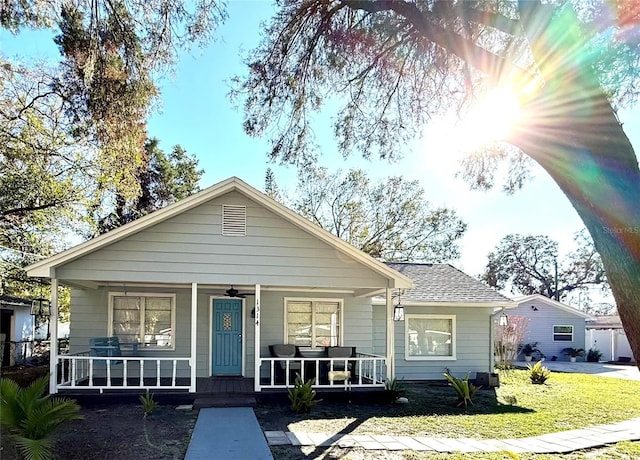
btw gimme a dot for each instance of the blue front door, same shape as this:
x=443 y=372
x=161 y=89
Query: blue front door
x=227 y=337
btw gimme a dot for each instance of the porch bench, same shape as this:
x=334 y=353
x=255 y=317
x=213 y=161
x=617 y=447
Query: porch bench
x=109 y=347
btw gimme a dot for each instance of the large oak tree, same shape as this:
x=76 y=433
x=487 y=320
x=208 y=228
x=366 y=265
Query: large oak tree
x=396 y=64
x=389 y=219
x=529 y=264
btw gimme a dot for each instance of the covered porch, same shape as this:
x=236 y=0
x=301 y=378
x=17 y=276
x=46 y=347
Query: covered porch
x=143 y=367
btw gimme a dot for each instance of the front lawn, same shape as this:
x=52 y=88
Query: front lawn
x=516 y=409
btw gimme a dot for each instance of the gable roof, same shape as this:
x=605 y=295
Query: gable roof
x=46 y=267
x=12 y=301
x=439 y=284
x=552 y=303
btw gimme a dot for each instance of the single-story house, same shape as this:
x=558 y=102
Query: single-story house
x=553 y=325
x=17 y=327
x=224 y=282
x=606 y=334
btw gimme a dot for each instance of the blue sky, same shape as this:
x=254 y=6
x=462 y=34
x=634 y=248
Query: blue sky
x=196 y=113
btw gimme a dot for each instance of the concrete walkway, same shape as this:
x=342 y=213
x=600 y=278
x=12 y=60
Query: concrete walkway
x=553 y=443
x=231 y=433
x=627 y=372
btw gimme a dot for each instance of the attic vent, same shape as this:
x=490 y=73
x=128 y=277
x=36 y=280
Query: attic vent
x=234 y=220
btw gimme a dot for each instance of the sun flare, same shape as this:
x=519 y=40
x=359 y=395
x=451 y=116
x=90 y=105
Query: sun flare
x=491 y=119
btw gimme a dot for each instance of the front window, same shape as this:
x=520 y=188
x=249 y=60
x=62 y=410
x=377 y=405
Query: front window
x=563 y=333
x=430 y=337
x=313 y=323
x=145 y=319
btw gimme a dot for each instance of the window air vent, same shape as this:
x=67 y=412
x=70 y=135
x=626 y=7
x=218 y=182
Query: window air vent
x=234 y=220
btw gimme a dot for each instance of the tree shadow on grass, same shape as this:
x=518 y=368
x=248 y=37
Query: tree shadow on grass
x=275 y=413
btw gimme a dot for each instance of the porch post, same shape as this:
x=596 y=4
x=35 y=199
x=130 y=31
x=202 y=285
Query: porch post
x=194 y=336
x=256 y=342
x=53 y=338
x=391 y=365
x=492 y=342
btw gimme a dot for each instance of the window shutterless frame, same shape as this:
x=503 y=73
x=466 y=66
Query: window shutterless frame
x=313 y=302
x=412 y=338
x=144 y=295
x=563 y=333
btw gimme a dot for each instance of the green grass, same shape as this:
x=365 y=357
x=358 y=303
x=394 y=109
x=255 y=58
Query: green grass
x=516 y=409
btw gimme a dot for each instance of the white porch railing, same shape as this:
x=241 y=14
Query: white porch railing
x=83 y=372
x=366 y=371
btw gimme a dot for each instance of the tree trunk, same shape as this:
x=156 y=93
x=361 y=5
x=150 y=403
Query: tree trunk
x=584 y=149
x=572 y=131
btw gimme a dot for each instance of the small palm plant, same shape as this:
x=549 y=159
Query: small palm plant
x=538 y=374
x=465 y=389
x=302 y=395
x=148 y=403
x=32 y=416
x=393 y=389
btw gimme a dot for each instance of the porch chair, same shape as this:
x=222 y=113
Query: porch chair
x=282 y=350
x=341 y=368
x=105 y=346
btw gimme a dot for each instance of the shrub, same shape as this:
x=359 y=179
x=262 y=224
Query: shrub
x=573 y=352
x=302 y=395
x=32 y=416
x=148 y=404
x=393 y=389
x=538 y=374
x=593 y=355
x=463 y=387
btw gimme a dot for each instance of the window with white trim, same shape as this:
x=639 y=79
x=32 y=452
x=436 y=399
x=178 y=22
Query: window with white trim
x=313 y=323
x=430 y=337
x=147 y=319
x=563 y=333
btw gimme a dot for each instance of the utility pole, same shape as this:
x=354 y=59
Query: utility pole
x=555 y=261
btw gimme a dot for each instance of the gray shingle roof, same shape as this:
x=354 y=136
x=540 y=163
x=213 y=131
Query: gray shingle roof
x=445 y=283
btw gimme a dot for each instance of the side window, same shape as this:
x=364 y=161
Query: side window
x=563 y=333
x=430 y=337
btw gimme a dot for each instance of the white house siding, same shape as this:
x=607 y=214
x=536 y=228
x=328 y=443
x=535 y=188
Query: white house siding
x=190 y=248
x=379 y=331
x=540 y=329
x=473 y=344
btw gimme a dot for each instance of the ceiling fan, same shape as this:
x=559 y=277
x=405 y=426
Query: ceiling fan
x=233 y=292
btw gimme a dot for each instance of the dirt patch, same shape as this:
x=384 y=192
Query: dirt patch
x=119 y=431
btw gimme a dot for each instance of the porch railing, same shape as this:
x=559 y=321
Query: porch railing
x=366 y=371
x=83 y=372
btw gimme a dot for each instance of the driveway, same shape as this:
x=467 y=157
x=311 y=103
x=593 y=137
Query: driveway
x=602 y=369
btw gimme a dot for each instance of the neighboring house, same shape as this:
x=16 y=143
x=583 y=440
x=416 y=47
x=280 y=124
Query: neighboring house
x=553 y=325
x=448 y=323
x=16 y=327
x=605 y=333
x=206 y=286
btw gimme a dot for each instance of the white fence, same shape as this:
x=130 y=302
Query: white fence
x=83 y=372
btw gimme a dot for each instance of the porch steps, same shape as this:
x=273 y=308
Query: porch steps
x=225 y=400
